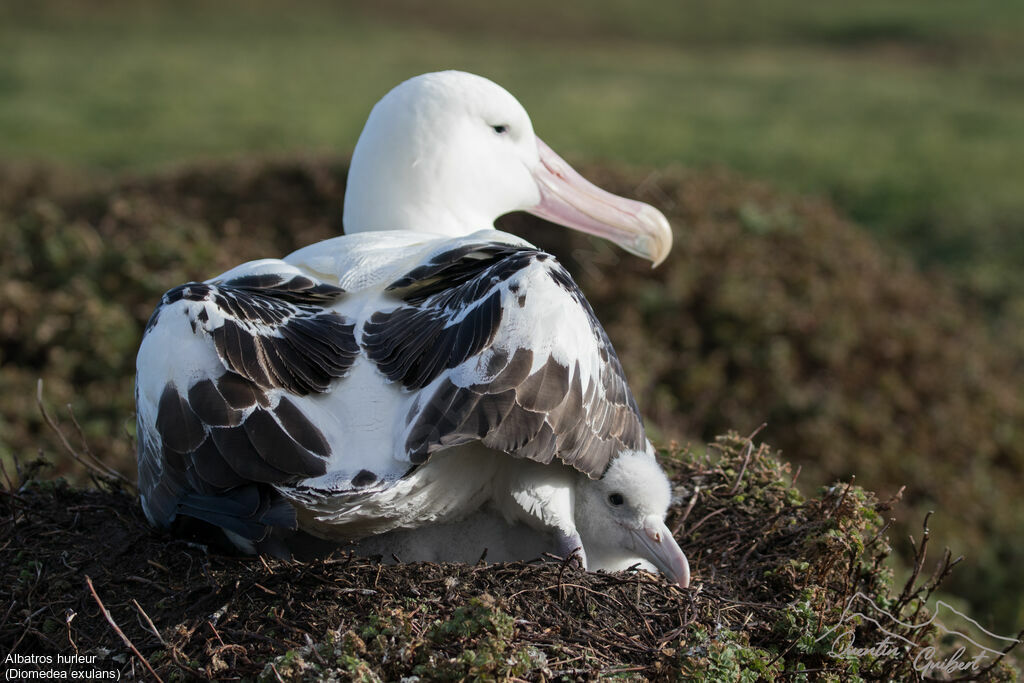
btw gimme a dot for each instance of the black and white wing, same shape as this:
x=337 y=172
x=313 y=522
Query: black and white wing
x=221 y=369
x=268 y=396
x=496 y=343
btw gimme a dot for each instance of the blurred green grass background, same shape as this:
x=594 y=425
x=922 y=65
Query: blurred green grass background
x=909 y=115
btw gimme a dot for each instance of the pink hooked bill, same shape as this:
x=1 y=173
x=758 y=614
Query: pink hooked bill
x=569 y=199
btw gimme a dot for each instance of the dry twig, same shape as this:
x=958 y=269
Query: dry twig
x=117 y=629
x=92 y=463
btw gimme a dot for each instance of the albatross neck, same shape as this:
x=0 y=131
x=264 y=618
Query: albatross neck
x=431 y=218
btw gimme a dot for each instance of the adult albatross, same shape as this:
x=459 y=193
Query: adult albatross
x=419 y=368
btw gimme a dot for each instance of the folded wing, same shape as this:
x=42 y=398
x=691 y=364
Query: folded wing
x=220 y=368
x=499 y=345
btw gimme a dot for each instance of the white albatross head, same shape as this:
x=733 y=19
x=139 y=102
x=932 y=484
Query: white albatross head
x=621 y=518
x=450 y=152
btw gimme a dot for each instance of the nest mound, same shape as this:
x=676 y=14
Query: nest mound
x=774 y=575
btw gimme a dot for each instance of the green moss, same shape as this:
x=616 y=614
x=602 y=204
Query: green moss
x=485 y=632
x=725 y=656
x=474 y=642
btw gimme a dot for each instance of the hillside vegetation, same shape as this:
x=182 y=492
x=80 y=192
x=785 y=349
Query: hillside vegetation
x=771 y=309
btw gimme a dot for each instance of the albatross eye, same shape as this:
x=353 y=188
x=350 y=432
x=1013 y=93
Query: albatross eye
x=500 y=129
x=616 y=499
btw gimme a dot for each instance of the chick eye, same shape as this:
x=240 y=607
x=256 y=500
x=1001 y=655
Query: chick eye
x=500 y=129
x=616 y=499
